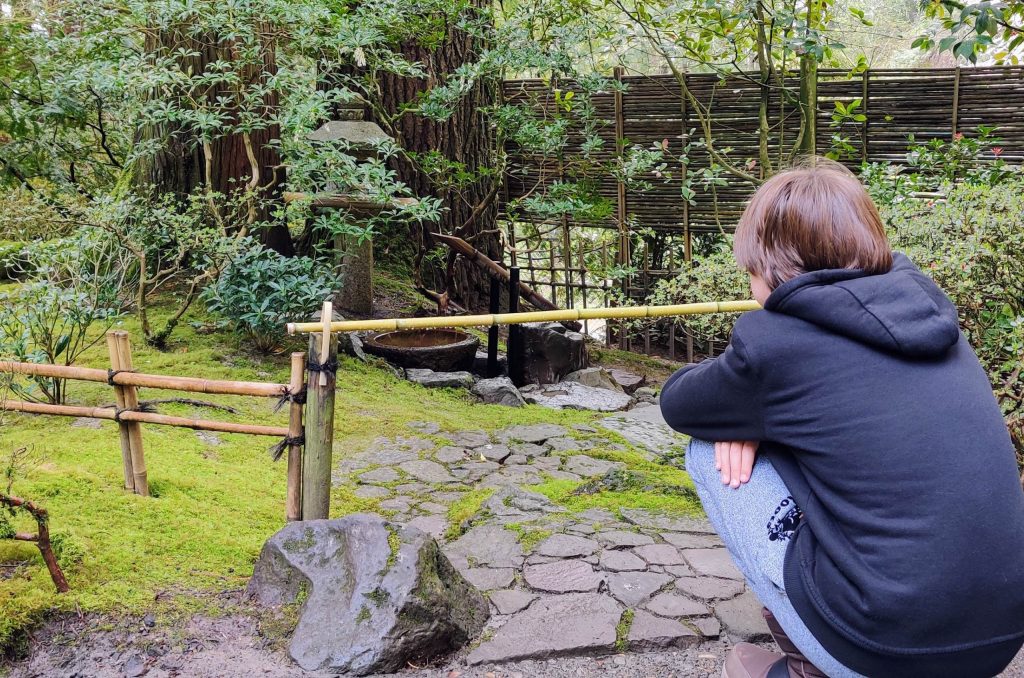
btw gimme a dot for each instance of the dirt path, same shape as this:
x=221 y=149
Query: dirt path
x=230 y=647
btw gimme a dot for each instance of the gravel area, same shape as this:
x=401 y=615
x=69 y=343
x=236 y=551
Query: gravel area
x=230 y=646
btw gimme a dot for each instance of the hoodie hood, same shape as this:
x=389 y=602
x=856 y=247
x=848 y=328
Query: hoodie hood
x=901 y=311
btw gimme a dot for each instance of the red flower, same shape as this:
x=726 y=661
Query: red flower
x=958 y=136
x=997 y=151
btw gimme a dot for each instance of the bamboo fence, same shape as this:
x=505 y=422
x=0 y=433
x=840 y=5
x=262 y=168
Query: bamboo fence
x=129 y=414
x=652 y=111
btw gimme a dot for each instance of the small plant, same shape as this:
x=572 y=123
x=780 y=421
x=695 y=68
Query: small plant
x=845 y=117
x=975 y=159
x=261 y=291
x=11 y=506
x=622 y=631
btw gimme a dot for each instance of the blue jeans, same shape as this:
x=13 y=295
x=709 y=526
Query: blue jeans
x=756 y=522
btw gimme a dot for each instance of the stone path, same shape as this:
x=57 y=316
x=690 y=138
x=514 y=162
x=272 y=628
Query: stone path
x=629 y=580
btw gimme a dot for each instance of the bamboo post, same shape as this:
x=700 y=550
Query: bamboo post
x=865 y=93
x=326 y=315
x=319 y=428
x=131 y=403
x=622 y=214
x=126 y=445
x=293 y=506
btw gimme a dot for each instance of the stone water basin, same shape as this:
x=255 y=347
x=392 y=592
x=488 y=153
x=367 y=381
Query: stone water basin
x=441 y=350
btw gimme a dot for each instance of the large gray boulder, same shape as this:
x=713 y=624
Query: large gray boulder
x=550 y=352
x=374 y=595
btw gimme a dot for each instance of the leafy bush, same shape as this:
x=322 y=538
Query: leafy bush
x=935 y=165
x=74 y=283
x=970 y=243
x=261 y=291
x=24 y=216
x=710 y=278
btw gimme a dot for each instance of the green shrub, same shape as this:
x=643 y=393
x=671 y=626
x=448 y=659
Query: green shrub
x=715 y=277
x=261 y=291
x=73 y=284
x=24 y=216
x=970 y=243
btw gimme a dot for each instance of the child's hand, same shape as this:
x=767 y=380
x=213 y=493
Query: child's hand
x=735 y=461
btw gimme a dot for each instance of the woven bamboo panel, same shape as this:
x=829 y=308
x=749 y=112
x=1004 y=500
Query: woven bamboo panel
x=925 y=103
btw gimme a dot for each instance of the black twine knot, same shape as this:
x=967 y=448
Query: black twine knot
x=277 y=450
x=299 y=398
x=330 y=367
x=111 y=374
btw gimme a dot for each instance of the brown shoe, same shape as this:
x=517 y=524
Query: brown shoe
x=750 y=661
x=799 y=666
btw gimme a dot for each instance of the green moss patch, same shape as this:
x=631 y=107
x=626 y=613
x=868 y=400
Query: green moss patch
x=462 y=512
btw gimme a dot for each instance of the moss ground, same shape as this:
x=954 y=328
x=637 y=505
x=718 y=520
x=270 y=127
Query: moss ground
x=213 y=506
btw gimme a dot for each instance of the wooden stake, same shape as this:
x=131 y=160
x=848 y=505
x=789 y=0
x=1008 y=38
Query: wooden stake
x=293 y=505
x=326 y=315
x=131 y=402
x=319 y=430
x=126 y=445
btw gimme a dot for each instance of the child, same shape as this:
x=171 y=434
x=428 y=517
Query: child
x=859 y=470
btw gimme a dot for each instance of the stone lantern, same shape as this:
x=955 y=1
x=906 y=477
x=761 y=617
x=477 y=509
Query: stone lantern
x=353 y=260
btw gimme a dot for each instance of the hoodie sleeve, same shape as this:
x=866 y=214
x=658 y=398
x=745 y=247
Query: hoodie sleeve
x=717 y=399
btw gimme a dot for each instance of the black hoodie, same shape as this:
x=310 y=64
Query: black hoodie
x=873 y=408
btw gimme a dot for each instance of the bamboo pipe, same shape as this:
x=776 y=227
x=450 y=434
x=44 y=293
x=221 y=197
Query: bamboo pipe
x=531 y=317
x=189 y=384
x=142 y=417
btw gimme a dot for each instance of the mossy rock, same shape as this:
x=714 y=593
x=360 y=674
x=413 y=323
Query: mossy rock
x=380 y=595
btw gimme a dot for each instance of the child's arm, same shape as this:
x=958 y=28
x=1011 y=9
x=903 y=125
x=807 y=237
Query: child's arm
x=717 y=399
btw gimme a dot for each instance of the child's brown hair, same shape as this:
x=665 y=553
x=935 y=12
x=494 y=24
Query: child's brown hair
x=811 y=218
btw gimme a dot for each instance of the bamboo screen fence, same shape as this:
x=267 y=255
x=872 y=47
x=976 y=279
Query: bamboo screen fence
x=655 y=226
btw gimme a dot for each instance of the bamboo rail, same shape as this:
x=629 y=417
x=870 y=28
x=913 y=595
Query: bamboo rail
x=189 y=384
x=128 y=414
x=111 y=414
x=618 y=312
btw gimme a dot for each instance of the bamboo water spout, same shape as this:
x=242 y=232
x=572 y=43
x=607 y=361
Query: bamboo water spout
x=617 y=313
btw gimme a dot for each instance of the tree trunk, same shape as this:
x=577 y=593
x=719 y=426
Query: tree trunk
x=178 y=166
x=808 y=145
x=465 y=137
